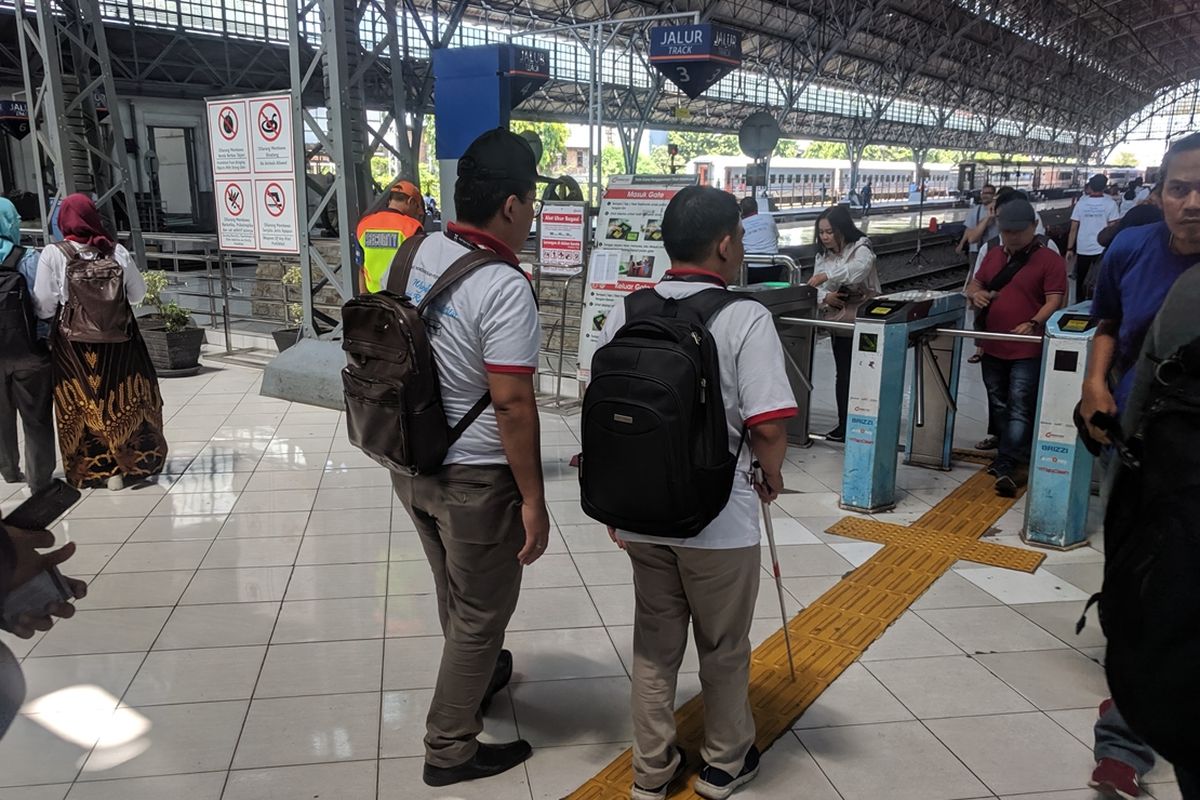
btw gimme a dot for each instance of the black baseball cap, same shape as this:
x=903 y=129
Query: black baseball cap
x=1097 y=182
x=499 y=154
x=1016 y=215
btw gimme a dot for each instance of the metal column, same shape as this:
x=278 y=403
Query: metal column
x=67 y=39
x=330 y=73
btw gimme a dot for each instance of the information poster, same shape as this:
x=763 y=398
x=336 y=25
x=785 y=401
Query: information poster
x=254 y=172
x=561 y=236
x=628 y=254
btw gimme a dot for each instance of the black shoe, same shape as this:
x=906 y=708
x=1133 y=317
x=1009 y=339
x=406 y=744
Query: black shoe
x=717 y=784
x=489 y=760
x=1006 y=486
x=660 y=793
x=992 y=469
x=501 y=675
x=838 y=434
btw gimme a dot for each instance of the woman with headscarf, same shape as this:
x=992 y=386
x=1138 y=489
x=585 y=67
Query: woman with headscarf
x=26 y=385
x=106 y=396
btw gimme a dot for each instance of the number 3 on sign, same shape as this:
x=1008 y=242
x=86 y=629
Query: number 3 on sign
x=684 y=77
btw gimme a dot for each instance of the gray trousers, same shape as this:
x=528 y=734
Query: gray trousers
x=27 y=389
x=469 y=521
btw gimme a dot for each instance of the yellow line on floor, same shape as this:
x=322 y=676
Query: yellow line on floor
x=830 y=634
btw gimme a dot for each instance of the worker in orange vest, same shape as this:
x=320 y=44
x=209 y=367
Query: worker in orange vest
x=381 y=233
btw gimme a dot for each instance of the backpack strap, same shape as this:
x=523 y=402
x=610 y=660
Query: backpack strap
x=402 y=264
x=700 y=306
x=13 y=260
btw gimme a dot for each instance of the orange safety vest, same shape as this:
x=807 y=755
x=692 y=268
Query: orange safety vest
x=380 y=236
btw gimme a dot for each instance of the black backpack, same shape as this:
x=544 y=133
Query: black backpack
x=1150 y=601
x=656 y=457
x=18 y=324
x=394 y=409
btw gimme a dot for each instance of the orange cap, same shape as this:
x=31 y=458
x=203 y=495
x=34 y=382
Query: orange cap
x=406 y=188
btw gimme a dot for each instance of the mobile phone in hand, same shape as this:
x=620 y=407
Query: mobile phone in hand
x=47 y=505
x=34 y=596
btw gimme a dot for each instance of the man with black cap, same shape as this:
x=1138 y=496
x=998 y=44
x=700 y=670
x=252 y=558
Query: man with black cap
x=1017 y=288
x=1092 y=214
x=483 y=517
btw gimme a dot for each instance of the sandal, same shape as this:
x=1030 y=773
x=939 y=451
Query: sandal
x=990 y=443
x=975 y=358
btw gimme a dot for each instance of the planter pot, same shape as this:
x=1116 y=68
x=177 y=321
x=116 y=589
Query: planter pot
x=285 y=338
x=175 y=353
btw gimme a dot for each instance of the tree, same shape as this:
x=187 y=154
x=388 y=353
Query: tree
x=786 y=148
x=825 y=150
x=553 y=136
x=692 y=144
x=612 y=162
x=1125 y=159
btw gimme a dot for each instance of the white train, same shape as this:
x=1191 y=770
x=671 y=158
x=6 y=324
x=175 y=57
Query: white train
x=819 y=180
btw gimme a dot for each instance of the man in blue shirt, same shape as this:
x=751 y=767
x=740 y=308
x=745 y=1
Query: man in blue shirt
x=1138 y=271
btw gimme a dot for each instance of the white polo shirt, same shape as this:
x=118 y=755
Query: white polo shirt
x=1093 y=214
x=754 y=388
x=761 y=234
x=487 y=322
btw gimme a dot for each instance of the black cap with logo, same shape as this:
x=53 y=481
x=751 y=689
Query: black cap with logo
x=499 y=154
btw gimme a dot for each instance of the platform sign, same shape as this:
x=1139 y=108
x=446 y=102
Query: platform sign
x=252 y=139
x=14 y=118
x=694 y=57
x=628 y=254
x=562 y=233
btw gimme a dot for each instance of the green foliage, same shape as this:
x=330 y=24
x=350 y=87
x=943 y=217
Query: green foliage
x=174 y=316
x=291 y=276
x=787 y=148
x=156 y=284
x=658 y=162
x=293 y=312
x=692 y=144
x=553 y=136
x=825 y=150
x=612 y=162
x=1125 y=159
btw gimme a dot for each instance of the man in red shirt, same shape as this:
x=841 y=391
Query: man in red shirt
x=1016 y=290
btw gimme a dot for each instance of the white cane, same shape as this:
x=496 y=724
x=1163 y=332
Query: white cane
x=766 y=509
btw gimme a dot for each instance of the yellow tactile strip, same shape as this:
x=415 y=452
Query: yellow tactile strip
x=830 y=635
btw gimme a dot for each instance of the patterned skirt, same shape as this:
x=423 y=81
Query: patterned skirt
x=109 y=411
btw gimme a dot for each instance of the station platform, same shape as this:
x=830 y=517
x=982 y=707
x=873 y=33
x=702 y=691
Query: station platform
x=261 y=624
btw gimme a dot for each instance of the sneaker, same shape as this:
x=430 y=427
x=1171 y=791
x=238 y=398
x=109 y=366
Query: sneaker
x=988 y=443
x=717 y=784
x=1114 y=778
x=1006 y=486
x=838 y=434
x=642 y=793
x=489 y=760
x=501 y=675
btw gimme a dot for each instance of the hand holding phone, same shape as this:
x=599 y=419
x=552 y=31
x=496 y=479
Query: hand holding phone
x=37 y=592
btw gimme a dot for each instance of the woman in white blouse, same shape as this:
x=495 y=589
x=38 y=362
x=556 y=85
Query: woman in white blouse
x=106 y=398
x=845 y=276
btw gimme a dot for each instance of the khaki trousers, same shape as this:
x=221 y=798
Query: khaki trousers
x=717 y=590
x=469 y=521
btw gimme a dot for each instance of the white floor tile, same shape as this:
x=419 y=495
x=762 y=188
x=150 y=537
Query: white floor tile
x=244 y=585
x=555 y=772
x=330 y=620
x=855 y=698
x=284 y=481
x=158 y=556
x=166 y=740
x=196 y=676
x=552 y=609
x=113 y=631
x=196 y=504
x=413 y=662
x=334 y=581
x=111 y=672
x=949 y=686
x=353 y=548
x=1051 y=679
x=369 y=520
x=910 y=637
x=221 y=625
x=309 y=730
x=229 y=553
x=264 y=526
x=990 y=629
x=85 y=531
x=200 y=786
x=579 y=711
x=178 y=529
x=1010 y=586
x=354 y=780
x=321 y=668
x=272 y=502
x=558 y=655
x=403 y=724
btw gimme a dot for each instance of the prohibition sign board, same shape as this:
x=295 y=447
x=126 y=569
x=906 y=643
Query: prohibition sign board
x=235 y=199
x=227 y=123
x=235 y=215
x=274 y=200
x=270 y=121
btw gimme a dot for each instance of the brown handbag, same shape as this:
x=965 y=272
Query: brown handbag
x=97 y=310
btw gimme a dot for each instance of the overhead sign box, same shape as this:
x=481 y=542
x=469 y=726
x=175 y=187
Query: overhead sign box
x=14 y=118
x=694 y=57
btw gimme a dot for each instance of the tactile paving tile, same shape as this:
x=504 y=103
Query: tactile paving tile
x=831 y=633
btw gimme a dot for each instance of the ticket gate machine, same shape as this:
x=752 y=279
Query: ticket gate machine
x=886 y=328
x=1060 y=467
x=798 y=340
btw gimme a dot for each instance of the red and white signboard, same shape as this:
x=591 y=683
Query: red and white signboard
x=562 y=233
x=276 y=211
x=252 y=138
x=235 y=210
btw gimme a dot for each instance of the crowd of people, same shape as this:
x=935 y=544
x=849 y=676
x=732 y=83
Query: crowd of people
x=482 y=516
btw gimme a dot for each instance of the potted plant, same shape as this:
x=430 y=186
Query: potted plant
x=172 y=340
x=293 y=312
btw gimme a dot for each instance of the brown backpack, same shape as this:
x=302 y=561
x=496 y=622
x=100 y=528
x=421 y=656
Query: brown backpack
x=96 y=310
x=394 y=411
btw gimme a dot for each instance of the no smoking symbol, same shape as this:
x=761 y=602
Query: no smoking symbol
x=269 y=123
x=273 y=198
x=227 y=123
x=235 y=201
